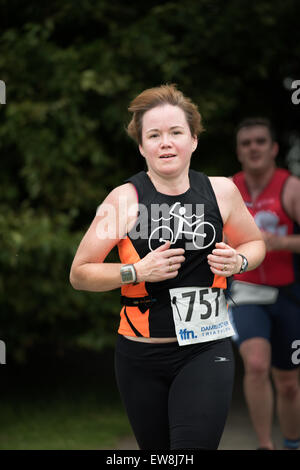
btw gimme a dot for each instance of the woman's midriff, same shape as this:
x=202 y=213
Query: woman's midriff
x=151 y=340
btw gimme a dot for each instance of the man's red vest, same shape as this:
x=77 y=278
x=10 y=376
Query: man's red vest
x=277 y=269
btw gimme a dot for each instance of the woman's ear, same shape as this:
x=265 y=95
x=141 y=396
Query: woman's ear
x=195 y=143
x=141 y=150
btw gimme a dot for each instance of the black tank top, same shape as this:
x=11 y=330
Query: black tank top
x=192 y=221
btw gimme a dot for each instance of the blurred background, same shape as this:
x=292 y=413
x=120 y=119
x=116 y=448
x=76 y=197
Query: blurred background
x=70 y=69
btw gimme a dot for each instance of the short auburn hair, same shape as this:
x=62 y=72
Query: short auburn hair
x=158 y=96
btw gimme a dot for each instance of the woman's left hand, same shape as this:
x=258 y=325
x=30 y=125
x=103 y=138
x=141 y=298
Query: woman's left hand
x=224 y=260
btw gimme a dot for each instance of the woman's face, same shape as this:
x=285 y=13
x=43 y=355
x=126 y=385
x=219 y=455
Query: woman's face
x=167 y=143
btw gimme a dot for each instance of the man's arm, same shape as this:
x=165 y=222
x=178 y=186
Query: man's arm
x=291 y=204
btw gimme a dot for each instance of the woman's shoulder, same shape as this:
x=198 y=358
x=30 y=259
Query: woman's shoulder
x=223 y=186
x=125 y=191
x=121 y=199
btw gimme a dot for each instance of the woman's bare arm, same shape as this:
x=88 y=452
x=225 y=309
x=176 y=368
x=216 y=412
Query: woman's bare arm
x=111 y=223
x=242 y=234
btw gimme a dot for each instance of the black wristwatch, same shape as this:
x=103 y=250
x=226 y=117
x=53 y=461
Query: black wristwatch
x=244 y=264
x=128 y=274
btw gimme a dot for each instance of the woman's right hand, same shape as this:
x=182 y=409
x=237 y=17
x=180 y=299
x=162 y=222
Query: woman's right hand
x=160 y=264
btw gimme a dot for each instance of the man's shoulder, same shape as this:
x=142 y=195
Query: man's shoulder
x=292 y=186
x=238 y=177
x=291 y=197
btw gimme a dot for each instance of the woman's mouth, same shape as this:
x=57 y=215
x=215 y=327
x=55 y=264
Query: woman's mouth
x=167 y=156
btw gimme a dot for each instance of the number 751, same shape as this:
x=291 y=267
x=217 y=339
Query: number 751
x=208 y=304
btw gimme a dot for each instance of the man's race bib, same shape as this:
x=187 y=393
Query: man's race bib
x=200 y=314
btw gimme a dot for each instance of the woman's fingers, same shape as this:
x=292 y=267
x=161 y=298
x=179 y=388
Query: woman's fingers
x=173 y=260
x=160 y=264
x=176 y=259
x=173 y=252
x=223 y=260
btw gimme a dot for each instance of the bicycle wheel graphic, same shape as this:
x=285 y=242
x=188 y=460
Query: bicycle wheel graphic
x=159 y=236
x=204 y=235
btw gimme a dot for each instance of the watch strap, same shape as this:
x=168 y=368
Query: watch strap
x=244 y=265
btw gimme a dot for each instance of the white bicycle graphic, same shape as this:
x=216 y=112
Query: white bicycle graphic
x=203 y=231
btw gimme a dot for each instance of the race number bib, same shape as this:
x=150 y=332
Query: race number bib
x=200 y=314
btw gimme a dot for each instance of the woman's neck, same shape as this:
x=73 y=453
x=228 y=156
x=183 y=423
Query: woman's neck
x=170 y=185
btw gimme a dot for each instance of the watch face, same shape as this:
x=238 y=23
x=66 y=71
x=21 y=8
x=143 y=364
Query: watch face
x=126 y=275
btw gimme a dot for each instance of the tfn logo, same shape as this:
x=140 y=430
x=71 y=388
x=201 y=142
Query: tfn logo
x=2 y=92
x=2 y=352
x=296 y=94
x=184 y=334
x=296 y=354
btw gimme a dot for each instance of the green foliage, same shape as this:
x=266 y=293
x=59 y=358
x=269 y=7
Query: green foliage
x=71 y=69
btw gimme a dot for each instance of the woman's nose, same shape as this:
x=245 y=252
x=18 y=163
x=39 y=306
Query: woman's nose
x=165 y=141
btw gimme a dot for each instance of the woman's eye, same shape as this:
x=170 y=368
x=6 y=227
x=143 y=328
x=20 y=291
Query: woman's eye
x=176 y=132
x=153 y=135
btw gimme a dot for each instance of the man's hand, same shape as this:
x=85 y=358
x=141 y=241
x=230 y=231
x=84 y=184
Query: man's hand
x=273 y=242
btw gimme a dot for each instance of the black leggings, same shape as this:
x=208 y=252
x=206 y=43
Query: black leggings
x=176 y=397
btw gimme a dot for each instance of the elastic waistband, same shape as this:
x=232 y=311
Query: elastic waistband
x=121 y=340
x=140 y=350
x=137 y=301
x=148 y=300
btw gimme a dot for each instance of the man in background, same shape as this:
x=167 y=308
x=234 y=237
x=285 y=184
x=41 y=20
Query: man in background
x=266 y=333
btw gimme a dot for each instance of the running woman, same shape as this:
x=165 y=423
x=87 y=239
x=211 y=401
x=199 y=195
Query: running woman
x=174 y=363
